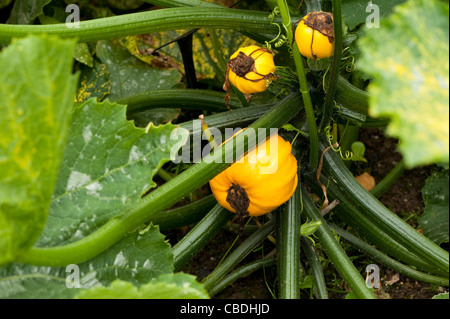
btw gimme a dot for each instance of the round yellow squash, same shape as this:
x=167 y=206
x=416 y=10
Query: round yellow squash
x=250 y=69
x=314 y=35
x=259 y=183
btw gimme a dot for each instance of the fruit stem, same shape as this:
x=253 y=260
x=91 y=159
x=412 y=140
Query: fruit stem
x=334 y=72
x=304 y=89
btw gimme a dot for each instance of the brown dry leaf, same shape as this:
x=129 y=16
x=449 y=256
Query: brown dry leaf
x=392 y=278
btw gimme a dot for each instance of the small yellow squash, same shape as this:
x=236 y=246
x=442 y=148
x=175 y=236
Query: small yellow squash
x=262 y=181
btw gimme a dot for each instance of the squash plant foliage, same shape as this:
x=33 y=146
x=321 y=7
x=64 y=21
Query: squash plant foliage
x=95 y=116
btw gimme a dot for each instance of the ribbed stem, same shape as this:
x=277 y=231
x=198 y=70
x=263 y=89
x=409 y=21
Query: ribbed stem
x=241 y=272
x=335 y=252
x=387 y=261
x=193 y=99
x=381 y=216
x=238 y=254
x=316 y=267
x=199 y=236
x=334 y=70
x=304 y=88
x=159 y=199
x=288 y=248
x=148 y=21
x=389 y=179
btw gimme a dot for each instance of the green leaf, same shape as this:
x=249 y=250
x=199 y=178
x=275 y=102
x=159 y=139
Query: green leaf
x=157 y=116
x=130 y=76
x=206 y=62
x=36 y=93
x=83 y=55
x=354 y=11
x=434 y=222
x=108 y=165
x=309 y=228
x=4 y=3
x=94 y=82
x=171 y=286
x=441 y=296
x=25 y=11
x=408 y=59
x=358 y=150
x=137 y=259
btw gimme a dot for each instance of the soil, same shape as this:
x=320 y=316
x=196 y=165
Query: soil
x=404 y=199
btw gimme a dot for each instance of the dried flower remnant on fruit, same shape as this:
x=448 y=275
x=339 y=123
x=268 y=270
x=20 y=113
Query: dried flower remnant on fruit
x=250 y=69
x=249 y=189
x=322 y=22
x=238 y=199
x=315 y=35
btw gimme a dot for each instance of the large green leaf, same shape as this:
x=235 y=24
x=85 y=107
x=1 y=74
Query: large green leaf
x=138 y=258
x=129 y=76
x=108 y=165
x=354 y=11
x=94 y=82
x=171 y=286
x=434 y=221
x=408 y=59
x=36 y=94
x=25 y=11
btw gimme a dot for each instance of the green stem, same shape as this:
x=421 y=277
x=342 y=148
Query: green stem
x=199 y=236
x=389 y=179
x=148 y=21
x=241 y=272
x=288 y=248
x=165 y=175
x=355 y=217
x=192 y=99
x=304 y=89
x=238 y=118
x=335 y=252
x=351 y=97
x=381 y=216
x=313 y=5
x=316 y=267
x=182 y=3
x=238 y=254
x=387 y=261
x=185 y=215
x=334 y=71
x=161 y=198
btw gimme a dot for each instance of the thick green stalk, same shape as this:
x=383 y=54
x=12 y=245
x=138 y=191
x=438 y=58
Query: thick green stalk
x=389 y=179
x=288 y=248
x=199 y=236
x=241 y=272
x=381 y=216
x=388 y=261
x=148 y=21
x=184 y=215
x=182 y=3
x=161 y=198
x=237 y=118
x=238 y=254
x=304 y=89
x=356 y=218
x=316 y=268
x=334 y=70
x=351 y=97
x=193 y=99
x=335 y=252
